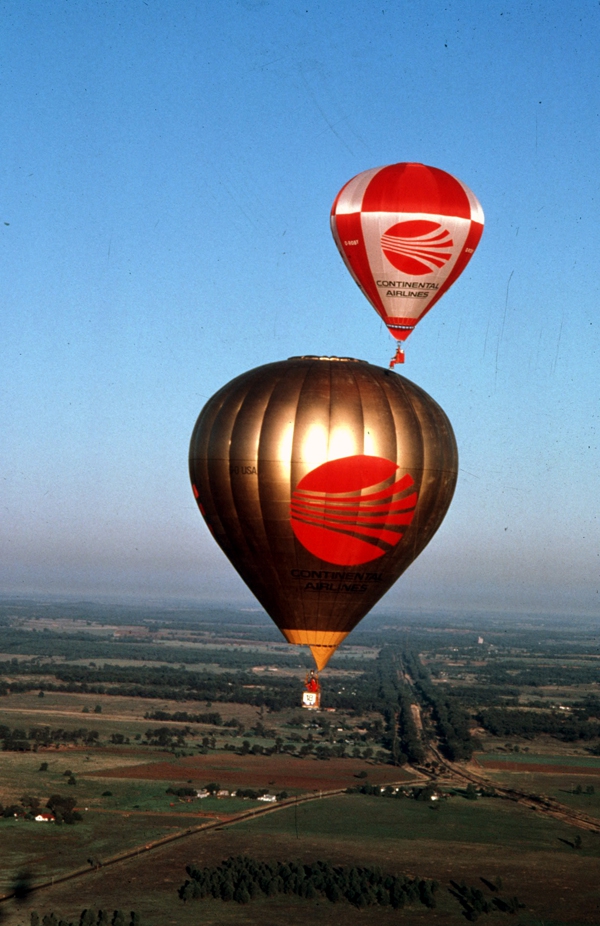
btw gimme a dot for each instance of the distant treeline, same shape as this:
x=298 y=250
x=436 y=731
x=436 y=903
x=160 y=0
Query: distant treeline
x=163 y=682
x=403 y=739
x=362 y=694
x=241 y=879
x=452 y=722
x=473 y=696
x=531 y=723
x=82 y=645
x=513 y=673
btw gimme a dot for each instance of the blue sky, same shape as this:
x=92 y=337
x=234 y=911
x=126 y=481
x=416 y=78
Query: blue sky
x=167 y=174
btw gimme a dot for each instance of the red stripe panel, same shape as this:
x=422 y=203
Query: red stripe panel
x=347 y=550
x=388 y=536
x=299 y=504
x=405 y=483
x=349 y=228
x=416 y=188
x=344 y=521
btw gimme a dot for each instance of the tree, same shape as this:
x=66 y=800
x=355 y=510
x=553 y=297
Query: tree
x=241 y=895
x=30 y=803
x=227 y=890
x=60 y=805
x=87 y=918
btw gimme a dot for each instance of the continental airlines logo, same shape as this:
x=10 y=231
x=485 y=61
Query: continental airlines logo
x=417 y=247
x=352 y=510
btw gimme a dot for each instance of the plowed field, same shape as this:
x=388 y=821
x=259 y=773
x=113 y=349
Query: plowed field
x=276 y=772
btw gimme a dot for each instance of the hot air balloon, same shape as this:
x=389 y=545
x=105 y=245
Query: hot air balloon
x=322 y=478
x=405 y=232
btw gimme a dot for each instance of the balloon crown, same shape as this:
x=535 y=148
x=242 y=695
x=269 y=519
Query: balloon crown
x=334 y=359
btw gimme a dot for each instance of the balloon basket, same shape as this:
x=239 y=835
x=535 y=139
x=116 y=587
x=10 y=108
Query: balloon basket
x=311 y=696
x=397 y=358
x=311 y=700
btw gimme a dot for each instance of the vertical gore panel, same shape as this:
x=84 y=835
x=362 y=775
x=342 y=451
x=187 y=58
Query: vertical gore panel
x=322 y=479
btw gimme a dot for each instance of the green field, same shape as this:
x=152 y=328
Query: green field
x=463 y=840
x=583 y=762
x=47 y=851
x=385 y=822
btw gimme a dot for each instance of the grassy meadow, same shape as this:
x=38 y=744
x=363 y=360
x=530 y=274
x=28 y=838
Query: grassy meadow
x=480 y=843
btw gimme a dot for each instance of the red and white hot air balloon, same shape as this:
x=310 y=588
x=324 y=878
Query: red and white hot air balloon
x=406 y=232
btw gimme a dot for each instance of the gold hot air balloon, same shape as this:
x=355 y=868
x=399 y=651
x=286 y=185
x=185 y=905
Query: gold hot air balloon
x=322 y=479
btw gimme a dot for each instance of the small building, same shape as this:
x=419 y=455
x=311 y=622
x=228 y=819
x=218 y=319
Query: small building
x=267 y=798
x=44 y=818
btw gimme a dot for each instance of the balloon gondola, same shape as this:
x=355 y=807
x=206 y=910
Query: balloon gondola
x=311 y=696
x=405 y=232
x=322 y=479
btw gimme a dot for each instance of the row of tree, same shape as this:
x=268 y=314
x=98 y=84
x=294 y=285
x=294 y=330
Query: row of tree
x=452 y=721
x=512 y=673
x=529 y=724
x=241 y=879
x=18 y=739
x=474 y=902
x=88 y=918
x=211 y=718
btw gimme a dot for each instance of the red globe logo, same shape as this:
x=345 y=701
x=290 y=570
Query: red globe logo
x=352 y=510
x=417 y=247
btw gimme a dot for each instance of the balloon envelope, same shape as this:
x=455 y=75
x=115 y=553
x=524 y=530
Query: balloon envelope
x=322 y=479
x=405 y=232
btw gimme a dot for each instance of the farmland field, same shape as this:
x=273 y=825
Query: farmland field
x=484 y=840
x=128 y=722
x=252 y=771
